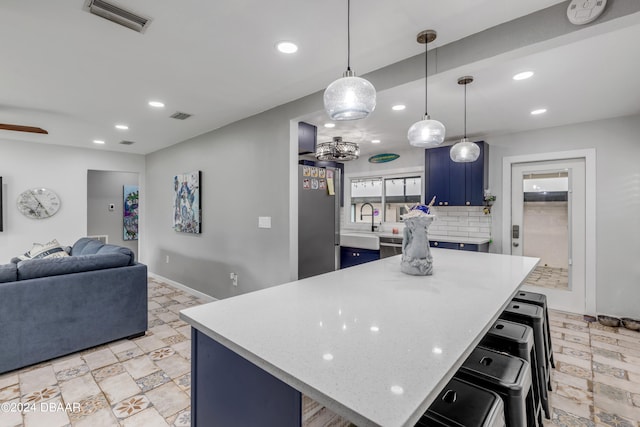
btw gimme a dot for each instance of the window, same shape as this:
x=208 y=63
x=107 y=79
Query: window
x=366 y=200
x=393 y=193
x=398 y=193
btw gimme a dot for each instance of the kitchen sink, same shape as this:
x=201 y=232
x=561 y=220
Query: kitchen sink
x=358 y=239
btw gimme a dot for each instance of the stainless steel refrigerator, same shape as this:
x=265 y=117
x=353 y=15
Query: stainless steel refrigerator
x=318 y=220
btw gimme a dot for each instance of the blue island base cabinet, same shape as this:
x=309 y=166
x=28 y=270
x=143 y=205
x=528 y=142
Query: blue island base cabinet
x=228 y=390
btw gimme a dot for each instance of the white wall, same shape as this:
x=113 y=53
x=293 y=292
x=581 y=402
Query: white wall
x=64 y=170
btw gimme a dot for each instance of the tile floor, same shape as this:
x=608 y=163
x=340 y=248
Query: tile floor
x=145 y=382
x=141 y=382
x=549 y=277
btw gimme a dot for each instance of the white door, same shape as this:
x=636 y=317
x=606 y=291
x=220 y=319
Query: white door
x=548 y=222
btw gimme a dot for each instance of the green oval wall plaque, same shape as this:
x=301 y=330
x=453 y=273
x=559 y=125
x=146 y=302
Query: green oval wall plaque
x=383 y=158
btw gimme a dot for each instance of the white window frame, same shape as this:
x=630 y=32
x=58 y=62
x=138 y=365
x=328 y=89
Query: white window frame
x=388 y=174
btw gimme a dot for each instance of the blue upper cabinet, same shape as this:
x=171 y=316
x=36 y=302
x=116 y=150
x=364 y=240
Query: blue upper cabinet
x=455 y=184
x=307 y=136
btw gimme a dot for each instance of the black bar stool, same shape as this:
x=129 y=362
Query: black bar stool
x=541 y=301
x=533 y=316
x=461 y=403
x=517 y=340
x=507 y=375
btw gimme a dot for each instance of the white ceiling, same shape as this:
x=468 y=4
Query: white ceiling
x=590 y=79
x=77 y=75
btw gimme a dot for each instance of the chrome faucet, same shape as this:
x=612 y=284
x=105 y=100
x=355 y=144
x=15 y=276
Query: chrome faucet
x=373 y=227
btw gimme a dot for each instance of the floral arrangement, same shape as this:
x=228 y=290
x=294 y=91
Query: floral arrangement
x=488 y=197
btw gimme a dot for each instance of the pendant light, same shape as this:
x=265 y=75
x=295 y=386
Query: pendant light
x=349 y=97
x=465 y=151
x=426 y=133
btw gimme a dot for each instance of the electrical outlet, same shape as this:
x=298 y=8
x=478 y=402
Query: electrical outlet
x=167 y=259
x=234 y=278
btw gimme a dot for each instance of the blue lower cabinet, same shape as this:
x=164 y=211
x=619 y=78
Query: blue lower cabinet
x=483 y=247
x=443 y=245
x=355 y=256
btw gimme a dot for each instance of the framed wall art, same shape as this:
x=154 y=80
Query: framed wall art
x=130 y=200
x=186 y=203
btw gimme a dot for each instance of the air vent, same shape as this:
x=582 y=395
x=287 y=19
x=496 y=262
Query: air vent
x=127 y=142
x=117 y=14
x=180 y=115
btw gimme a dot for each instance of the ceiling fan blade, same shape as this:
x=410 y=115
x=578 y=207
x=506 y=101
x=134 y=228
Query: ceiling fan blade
x=19 y=128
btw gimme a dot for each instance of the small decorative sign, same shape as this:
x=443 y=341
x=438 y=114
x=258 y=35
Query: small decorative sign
x=383 y=158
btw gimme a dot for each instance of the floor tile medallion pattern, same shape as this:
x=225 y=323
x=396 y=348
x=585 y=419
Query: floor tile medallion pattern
x=146 y=382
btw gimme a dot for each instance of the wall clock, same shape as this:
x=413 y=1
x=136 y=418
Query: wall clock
x=38 y=203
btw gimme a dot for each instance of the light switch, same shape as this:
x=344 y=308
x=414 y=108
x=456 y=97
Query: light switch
x=264 y=222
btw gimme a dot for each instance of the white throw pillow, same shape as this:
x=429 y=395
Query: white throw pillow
x=52 y=249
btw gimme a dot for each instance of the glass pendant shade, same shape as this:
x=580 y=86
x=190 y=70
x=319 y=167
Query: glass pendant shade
x=465 y=151
x=349 y=98
x=426 y=133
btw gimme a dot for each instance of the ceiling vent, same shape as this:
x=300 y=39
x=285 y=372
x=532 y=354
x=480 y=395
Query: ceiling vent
x=117 y=14
x=180 y=115
x=127 y=142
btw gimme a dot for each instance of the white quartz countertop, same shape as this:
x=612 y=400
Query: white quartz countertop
x=369 y=342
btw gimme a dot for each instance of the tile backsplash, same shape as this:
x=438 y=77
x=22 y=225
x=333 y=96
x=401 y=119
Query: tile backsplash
x=461 y=221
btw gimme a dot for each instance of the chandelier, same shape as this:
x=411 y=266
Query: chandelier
x=337 y=150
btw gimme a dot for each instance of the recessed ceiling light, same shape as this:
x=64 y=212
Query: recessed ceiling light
x=156 y=104
x=375 y=141
x=398 y=107
x=122 y=127
x=524 y=75
x=329 y=125
x=539 y=111
x=98 y=141
x=287 y=47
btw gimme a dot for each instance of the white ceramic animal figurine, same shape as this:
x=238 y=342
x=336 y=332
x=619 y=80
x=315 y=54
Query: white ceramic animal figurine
x=416 y=253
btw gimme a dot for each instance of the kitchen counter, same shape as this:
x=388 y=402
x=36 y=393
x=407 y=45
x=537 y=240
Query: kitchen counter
x=372 y=344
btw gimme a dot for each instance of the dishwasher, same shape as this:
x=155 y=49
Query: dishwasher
x=390 y=246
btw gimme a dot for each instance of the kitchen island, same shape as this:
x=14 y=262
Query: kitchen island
x=372 y=344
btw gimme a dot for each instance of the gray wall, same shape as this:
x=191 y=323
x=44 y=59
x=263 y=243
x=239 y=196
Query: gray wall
x=617 y=144
x=103 y=188
x=245 y=174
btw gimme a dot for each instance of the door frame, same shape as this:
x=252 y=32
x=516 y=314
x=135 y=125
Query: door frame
x=589 y=156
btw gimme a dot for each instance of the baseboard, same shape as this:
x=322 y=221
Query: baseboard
x=185 y=288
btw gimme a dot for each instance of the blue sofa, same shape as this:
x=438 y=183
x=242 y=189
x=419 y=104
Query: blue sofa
x=55 y=306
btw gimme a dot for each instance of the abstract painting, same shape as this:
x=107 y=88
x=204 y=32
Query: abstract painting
x=186 y=202
x=130 y=201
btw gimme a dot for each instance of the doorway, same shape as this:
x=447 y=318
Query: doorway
x=111 y=217
x=549 y=214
